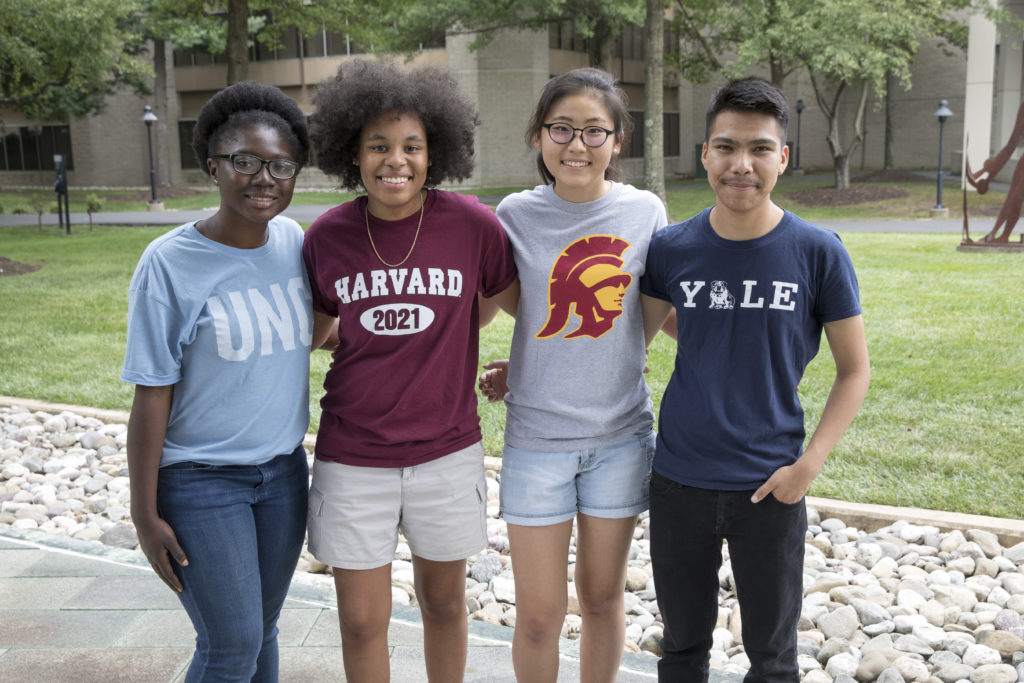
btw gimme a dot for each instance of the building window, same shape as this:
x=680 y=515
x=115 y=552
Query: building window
x=670 y=135
x=630 y=43
x=670 y=124
x=188 y=157
x=31 y=148
x=562 y=36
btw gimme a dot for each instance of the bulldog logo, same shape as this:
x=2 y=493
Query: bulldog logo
x=720 y=296
x=587 y=279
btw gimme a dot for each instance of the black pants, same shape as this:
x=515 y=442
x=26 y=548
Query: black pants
x=766 y=549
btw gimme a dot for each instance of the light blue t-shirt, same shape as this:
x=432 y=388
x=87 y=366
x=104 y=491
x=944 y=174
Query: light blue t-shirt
x=231 y=330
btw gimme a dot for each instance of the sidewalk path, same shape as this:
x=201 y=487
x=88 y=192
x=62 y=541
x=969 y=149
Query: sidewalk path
x=309 y=213
x=74 y=610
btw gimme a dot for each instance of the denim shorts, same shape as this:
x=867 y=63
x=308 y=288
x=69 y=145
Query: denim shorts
x=356 y=513
x=544 y=488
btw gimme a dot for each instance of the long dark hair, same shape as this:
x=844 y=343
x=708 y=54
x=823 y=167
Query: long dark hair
x=595 y=82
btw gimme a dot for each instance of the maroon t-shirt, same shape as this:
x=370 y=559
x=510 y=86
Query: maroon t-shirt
x=401 y=389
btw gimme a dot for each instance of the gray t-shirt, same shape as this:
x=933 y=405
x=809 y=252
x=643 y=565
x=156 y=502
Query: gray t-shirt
x=576 y=364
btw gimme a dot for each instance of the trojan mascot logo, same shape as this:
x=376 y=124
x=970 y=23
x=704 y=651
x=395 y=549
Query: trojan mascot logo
x=587 y=279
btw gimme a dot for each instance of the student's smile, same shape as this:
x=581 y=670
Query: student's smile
x=393 y=160
x=744 y=157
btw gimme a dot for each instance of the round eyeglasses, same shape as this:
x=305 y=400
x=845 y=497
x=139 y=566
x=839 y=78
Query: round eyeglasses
x=563 y=133
x=250 y=164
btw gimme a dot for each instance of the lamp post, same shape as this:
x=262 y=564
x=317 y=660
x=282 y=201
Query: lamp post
x=799 y=111
x=942 y=113
x=148 y=117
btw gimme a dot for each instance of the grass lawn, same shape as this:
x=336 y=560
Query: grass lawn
x=941 y=427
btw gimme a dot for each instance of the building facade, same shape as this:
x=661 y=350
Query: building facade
x=504 y=78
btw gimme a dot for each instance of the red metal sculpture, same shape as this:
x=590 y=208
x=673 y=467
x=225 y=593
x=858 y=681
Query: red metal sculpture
x=1009 y=214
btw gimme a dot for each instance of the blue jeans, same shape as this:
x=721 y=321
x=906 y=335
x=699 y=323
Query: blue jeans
x=242 y=528
x=540 y=488
x=766 y=549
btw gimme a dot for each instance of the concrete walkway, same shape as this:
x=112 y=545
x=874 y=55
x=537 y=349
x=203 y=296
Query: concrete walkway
x=309 y=213
x=73 y=610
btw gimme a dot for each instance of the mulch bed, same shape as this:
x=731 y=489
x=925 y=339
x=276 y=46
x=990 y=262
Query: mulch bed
x=9 y=267
x=859 y=191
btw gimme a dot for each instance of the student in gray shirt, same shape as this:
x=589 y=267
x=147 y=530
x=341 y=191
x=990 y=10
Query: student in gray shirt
x=579 y=434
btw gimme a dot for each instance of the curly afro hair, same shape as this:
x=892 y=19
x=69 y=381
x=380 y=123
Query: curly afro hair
x=364 y=89
x=245 y=104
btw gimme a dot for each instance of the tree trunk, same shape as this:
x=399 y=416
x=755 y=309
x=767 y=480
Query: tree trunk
x=601 y=51
x=654 y=105
x=238 y=41
x=840 y=160
x=841 y=168
x=161 y=156
x=888 y=163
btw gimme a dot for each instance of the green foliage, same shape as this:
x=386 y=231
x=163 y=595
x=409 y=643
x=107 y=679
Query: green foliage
x=39 y=204
x=61 y=58
x=845 y=45
x=844 y=39
x=200 y=24
x=19 y=209
x=93 y=203
x=402 y=25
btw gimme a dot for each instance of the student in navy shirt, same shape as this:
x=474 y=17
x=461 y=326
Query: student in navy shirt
x=753 y=286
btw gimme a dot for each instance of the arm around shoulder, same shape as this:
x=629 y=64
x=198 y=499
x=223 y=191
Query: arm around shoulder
x=658 y=315
x=325 y=332
x=507 y=300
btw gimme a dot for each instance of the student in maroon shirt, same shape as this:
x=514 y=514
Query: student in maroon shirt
x=399 y=445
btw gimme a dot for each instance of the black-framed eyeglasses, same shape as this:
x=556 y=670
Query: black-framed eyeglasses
x=250 y=164
x=563 y=133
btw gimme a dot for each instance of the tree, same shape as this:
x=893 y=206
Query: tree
x=729 y=37
x=654 y=105
x=231 y=26
x=93 y=204
x=39 y=204
x=848 y=47
x=402 y=25
x=61 y=58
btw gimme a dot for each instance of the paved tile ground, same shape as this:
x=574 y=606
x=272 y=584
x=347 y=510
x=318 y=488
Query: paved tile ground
x=79 y=611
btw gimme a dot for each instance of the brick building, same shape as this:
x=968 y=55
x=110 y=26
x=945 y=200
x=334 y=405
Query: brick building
x=504 y=78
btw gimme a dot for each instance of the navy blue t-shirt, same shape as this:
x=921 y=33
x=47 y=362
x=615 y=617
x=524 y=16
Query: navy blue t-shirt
x=750 y=320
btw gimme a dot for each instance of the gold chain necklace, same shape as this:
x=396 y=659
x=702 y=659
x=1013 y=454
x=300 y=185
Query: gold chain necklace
x=366 y=216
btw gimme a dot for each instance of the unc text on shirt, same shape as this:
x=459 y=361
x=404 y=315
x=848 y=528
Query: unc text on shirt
x=271 y=320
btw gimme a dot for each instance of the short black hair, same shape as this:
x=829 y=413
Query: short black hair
x=245 y=104
x=589 y=80
x=364 y=89
x=750 y=94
